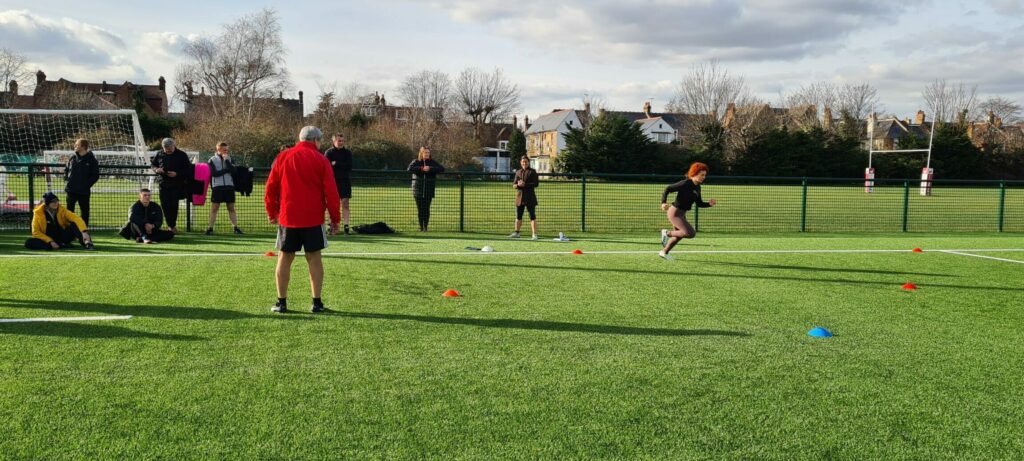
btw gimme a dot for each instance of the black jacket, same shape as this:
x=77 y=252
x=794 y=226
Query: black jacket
x=141 y=215
x=526 y=195
x=688 y=193
x=177 y=162
x=423 y=182
x=81 y=173
x=242 y=176
x=341 y=163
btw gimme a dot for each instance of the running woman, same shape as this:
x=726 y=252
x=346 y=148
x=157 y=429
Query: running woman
x=687 y=193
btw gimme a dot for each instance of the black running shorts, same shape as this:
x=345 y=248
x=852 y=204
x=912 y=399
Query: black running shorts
x=292 y=239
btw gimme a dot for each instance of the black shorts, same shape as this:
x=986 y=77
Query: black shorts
x=223 y=194
x=532 y=209
x=344 y=189
x=292 y=239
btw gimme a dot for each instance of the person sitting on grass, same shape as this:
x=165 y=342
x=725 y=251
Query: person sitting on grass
x=54 y=227
x=144 y=221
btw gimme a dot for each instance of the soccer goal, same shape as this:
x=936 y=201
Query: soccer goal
x=48 y=136
x=927 y=174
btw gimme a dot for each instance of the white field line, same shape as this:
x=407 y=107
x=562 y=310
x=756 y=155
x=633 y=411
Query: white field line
x=959 y=252
x=496 y=253
x=67 y=319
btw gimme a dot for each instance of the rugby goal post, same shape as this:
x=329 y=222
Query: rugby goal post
x=927 y=173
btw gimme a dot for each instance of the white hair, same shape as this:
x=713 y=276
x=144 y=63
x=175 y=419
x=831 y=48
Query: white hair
x=310 y=133
x=167 y=142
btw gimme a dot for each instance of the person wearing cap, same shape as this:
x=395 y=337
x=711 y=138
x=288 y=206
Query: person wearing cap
x=175 y=171
x=54 y=227
x=299 y=190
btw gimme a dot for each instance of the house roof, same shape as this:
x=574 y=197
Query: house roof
x=549 y=122
x=652 y=123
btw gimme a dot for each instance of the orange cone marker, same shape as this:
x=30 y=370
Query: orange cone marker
x=269 y=253
x=451 y=294
x=909 y=286
x=577 y=251
x=917 y=250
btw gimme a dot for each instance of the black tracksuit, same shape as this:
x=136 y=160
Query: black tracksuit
x=173 y=189
x=341 y=163
x=423 y=183
x=80 y=174
x=141 y=215
x=688 y=193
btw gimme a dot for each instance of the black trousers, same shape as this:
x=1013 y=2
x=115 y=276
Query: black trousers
x=423 y=211
x=169 y=197
x=82 y=199
x=156 y=235
x=64 y=239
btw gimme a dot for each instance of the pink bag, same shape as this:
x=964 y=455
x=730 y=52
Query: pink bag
x=202 y=174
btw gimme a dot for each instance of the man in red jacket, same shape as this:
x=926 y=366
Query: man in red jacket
x=299 y=189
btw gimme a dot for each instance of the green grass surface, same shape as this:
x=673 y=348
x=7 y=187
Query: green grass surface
x=545 y=356
x=625 y=207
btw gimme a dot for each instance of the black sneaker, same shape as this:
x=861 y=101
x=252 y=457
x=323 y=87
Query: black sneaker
x=238 y=231
x=89 y=246
x=279 y=307
x=346 y=229
x=209 y=231
x=317 y=308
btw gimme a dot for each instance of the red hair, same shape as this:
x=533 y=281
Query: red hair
x=695 y=169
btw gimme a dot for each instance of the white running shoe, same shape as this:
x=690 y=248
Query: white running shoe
x=513 y=235
x=664 y=237
x=535 y=237
x=665 y=256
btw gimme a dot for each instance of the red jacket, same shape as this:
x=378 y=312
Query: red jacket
x=300 y=187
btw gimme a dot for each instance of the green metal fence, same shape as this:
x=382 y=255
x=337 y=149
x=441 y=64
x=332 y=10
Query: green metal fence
x=483 y=202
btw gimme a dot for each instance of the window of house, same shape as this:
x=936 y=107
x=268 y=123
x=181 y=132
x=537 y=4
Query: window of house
x=503 y=145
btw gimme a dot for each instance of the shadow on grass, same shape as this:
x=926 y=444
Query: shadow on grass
x=86 y=331
x=542 y=325
x=687 y=271
x=822 y=269
x=162 y=312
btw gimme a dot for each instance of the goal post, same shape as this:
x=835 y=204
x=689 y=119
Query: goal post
x=927 y=173
x=48 y=136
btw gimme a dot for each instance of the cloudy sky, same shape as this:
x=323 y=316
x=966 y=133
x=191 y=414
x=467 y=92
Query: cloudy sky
x=623 y=51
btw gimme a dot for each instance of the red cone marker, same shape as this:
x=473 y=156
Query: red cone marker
x=909 y=286
x=269 y=253
x=451 y=294
x=917 y=250
x=577 y=251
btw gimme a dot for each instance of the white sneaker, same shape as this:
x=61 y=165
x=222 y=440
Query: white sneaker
x=665 y=256
x=664 y=237
x=534 y=237
x=513 y=235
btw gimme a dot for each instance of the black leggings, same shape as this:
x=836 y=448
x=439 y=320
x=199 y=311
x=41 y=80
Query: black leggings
x=423 y=211
x=169 y=197
x=531 y=208
x=64 y=239
x=82 y=199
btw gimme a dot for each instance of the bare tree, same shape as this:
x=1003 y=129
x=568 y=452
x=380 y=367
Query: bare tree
x=14 y=67
x=485 y=97
x=707 y=89
x=948 y=101
x=818 y=94
x=858 y=100
x=242 y=64
x=1008 y=111
x=428 y=93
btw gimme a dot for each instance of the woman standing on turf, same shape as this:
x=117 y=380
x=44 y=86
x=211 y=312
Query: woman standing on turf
x=424 y=173
x=687 y=193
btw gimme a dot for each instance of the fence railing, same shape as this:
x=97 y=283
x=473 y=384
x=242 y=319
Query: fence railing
x=484 y=202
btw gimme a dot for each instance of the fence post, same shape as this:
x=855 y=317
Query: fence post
x=803 y=208
x=696 y=219
x=188 y=212
x=31 y=193
x=1002 y=203
x=462 y=204
x=906 y=203
x=583 y=203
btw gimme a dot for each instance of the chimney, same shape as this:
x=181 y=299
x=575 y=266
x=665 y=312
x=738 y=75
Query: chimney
x=103 y=88
x=999 y=122
x=280 y=95
x=991 y=118
x=383 y=102
x=730 y=115
x=40 y=77
x=919 y=119
x=647 y=109
x=188 y=89
x=826 y=114
x=13 y=87
x=601 y=112
x=526 y=122
x=162 y=83
x=586 y=107
x=515 y=122
x=300 y=98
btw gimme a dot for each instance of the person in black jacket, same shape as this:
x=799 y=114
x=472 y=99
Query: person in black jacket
x=525 y=183
x=341 y=162
x=424 y=177
x=687 y=194
x=222 y=180
x=144 y=221
x=175 y=172
x=81 y=172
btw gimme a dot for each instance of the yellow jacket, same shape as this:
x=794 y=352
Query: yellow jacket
x=64 y=219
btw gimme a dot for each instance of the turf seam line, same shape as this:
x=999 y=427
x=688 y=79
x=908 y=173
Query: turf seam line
x=67 y=319
x=959 y=252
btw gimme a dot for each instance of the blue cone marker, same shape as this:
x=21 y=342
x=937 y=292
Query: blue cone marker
x=819 y=332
